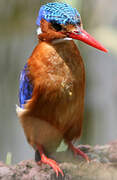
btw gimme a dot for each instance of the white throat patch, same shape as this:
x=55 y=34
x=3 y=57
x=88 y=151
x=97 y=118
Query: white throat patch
x=56 y=40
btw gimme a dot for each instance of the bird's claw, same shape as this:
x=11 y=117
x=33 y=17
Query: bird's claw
x=77 y=151
x=52 y=163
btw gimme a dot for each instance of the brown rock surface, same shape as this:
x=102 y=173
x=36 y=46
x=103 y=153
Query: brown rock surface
x=103 y=166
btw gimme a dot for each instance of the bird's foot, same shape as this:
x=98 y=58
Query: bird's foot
x=50 y=162
x=77 y=151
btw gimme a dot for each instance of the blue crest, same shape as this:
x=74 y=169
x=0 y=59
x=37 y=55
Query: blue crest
x=25 y=87
x=61 y=13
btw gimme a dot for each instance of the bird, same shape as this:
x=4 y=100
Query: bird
x=52 y=83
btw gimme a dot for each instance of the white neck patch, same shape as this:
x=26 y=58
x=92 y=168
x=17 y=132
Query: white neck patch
x=39 y=31
x=56 y=40
x=61 y=40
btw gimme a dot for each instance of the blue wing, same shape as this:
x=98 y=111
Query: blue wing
x=25 y=87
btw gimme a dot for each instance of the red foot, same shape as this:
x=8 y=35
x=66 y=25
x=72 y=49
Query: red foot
x=50 y=162
x=77 y=151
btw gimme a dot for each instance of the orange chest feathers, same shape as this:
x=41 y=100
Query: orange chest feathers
x=57 y=74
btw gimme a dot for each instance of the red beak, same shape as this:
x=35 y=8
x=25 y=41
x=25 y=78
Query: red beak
x=87 y=38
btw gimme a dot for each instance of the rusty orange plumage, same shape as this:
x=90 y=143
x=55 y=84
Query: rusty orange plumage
x=52 y=85
x=58 y=79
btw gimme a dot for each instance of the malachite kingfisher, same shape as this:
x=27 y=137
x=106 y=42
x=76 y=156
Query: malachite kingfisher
x=52 y=82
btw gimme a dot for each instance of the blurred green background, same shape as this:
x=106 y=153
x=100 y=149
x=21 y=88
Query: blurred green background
x=17 y=41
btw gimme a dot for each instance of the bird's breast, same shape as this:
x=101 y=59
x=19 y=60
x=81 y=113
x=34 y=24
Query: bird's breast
x=57 y=72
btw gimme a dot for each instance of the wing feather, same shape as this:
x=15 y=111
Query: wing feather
x=25 y=87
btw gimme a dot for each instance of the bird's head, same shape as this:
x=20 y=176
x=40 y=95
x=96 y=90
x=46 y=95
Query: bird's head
x=59 y=20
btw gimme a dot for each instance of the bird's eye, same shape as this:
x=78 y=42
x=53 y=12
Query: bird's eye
x=79 y=23
x=56 y=26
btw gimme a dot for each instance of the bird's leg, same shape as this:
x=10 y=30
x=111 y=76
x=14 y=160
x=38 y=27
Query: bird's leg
x=50 y=162
x=77 y=151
